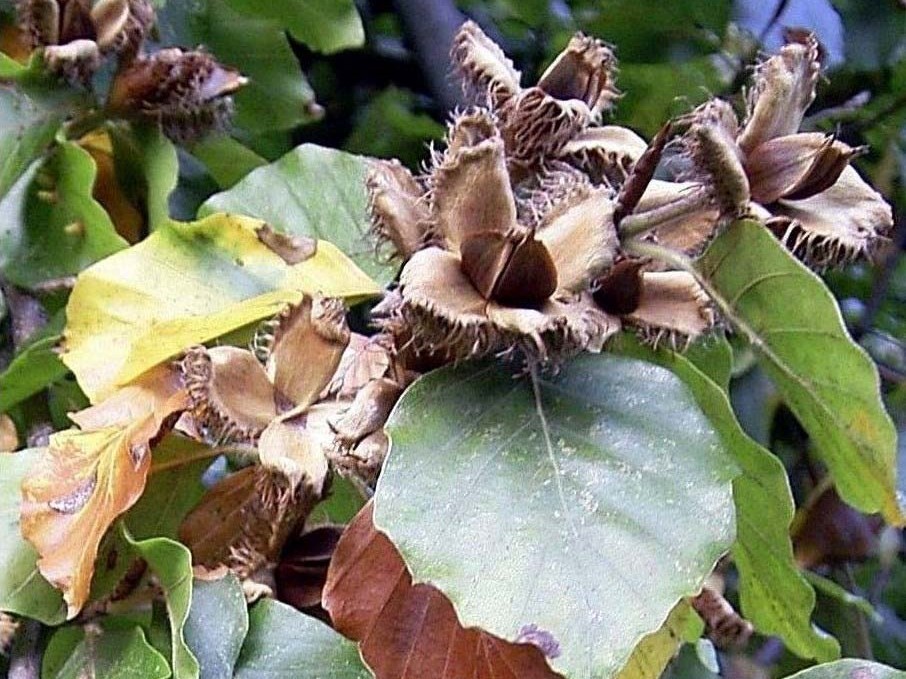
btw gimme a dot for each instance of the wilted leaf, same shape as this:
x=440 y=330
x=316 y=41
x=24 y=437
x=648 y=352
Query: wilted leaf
x=285 y=644
x=217 y=625
x=829 y=382
x=30 y=371
x=774 y=595
x=311 y=191
x=591 y=521
x=88 y=477
x=184 y=285
x=850 y=668
x=171 y=564
x=52 y=226
x=277 y=97
x=324 y=25
x=112 y=654
x=403 y=628
x=23 y=590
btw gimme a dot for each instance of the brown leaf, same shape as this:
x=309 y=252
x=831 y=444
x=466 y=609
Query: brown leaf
x=302 y=570
x=89 y=477
x=829 y=531
x=412 y=630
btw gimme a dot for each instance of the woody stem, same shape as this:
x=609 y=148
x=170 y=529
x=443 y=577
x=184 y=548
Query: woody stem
x=640 y=222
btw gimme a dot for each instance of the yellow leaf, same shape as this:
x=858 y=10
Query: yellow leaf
x=188 y=284
x=87 y=478
x=650 y=657
x=107 y=189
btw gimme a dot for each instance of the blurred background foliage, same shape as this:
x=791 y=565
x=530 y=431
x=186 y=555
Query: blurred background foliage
x=390 y=97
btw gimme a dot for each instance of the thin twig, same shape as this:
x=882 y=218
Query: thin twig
x=882 y=280
x=430 y=26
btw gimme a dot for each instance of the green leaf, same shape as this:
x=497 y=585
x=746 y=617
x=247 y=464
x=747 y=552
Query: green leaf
x=112 y=654
x=174 y=488
x=53 y=227
x=171 y=563
x=31 y=370
x=277 y=97
x=285 y=644
x=850 y=668
x=774 y=595
x=311 y=191
x=324 y=25
x=831 y=385
x=146 y=164
x=26 y=129
x=590 y=521
x=659 y=91
x=187 y=284
x=830 y=588
x=713 y=355
x=217 y=625
x=226 y=159
x=22 y=588
x=388 y=127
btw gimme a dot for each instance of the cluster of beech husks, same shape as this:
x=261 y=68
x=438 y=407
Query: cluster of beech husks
x=308 y=392
x=186 y=92
x=519 y=235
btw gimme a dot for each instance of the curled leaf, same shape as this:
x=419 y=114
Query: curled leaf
x=89 y=477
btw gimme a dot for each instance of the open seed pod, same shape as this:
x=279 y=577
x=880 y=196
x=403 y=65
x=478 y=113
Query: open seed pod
x=801 y=184
x=75 y=34
x=538 y=122
x=234 y=397
x=187 y=93
x=491 y=284
x=662 y=306
x=245 y=519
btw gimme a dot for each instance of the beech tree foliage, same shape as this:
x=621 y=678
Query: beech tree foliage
x=551 y=340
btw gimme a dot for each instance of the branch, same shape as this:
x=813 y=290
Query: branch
x=25 y=655
x=430 y=26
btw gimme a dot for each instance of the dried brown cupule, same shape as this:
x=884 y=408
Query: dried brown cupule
x=187 y=93
x=76 y=34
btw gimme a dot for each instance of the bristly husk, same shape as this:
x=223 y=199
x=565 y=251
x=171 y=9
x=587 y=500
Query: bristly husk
x=845 y=222
x=672 y=308
x=784 y=88
x=486 y=73
x=537 y=122
x=307 y=342
x=399 y=209
x=606 y=154
x=583 y=71
x=469 y=185
x=710 y=144
x=231 y=397
x=187 y=93
x=663 y=306
x=796 y=166
x=443 y=312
